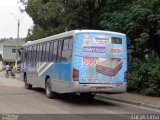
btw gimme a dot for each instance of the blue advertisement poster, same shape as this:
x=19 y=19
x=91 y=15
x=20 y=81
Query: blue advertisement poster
x=100 y=57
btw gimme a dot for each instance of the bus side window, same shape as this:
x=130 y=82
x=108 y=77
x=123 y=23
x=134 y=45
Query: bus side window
x=29 y=53
x=59 y=52
x=51 y=51
x=70 y=43
x=34 y=52
x=67 y=49
x=66 y=44
x=37 y=54
x=25 y=56
x=43 y=52
x=47 y=52
x=40 y=53
x=22 y=55
x=54 y=53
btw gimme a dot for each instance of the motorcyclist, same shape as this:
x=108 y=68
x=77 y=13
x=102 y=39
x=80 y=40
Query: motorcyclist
x=7 y=69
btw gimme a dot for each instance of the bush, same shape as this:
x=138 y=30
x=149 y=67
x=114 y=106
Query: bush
x=1 y=57
x=144 y=77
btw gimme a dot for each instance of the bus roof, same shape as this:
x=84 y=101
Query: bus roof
x=67 y=34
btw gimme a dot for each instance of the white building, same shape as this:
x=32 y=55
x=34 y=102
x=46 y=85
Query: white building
x=1 y=49
x=9 y=51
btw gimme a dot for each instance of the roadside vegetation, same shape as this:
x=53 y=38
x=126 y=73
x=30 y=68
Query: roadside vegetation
x=138 y=19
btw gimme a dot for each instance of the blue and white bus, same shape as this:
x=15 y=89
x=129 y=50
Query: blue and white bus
x=78 y=61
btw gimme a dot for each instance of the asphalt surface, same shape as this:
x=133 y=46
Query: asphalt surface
x=33 y=104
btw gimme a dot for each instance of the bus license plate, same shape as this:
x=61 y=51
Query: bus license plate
x=100 y=89
x=90 y=80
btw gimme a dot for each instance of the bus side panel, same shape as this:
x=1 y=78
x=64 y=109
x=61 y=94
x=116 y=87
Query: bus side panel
x=66 y=71
x=53 y=70
x=59 y=71
x=60 y=74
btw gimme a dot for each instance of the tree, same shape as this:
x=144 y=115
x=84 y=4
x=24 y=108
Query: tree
x=140 y=20
x=46 y=15
x=84 y=14
x=52 y=17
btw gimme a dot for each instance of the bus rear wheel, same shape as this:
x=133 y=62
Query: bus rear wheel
x=88 y=95
x=27 y=86
x=49 y=93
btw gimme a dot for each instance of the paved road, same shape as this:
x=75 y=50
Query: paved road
x=15 y=99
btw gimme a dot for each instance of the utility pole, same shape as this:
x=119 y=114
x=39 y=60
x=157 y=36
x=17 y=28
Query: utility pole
x=16 y=61
x=18 y=23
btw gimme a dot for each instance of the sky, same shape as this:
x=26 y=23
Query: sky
x=9 y=14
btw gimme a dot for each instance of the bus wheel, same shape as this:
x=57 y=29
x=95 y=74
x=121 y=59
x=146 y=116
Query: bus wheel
x=27 y=86
x=87 y=95
x=49 y=93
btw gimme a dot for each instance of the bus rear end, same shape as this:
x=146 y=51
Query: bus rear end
x=99 y=62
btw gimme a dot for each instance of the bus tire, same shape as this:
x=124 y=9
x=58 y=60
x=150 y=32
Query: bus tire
x=88 y=95
x=7 y=75
x=27 y=86
x=48 y=90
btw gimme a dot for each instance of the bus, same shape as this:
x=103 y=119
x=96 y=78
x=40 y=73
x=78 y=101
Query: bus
x=85 y=62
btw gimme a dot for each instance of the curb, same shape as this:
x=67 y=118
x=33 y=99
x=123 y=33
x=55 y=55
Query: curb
x=102 y=97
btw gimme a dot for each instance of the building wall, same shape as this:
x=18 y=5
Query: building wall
x=1 y=49
x=9 y=55
x=0 y=65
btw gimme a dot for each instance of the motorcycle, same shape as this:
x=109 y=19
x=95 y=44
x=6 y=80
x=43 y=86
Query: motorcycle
x=12 y=74
x=9 y=73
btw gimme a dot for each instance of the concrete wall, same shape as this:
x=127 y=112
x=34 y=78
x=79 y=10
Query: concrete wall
x=8 y=55
x=0 y=65
x=1 y=49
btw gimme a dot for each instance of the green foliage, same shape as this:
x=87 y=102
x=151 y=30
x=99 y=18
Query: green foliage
x=84 y=14
x=55 y=16
x=139 y=20
x=47 y=17
x=144 y=76
x=11 y=66
x=1 y=57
